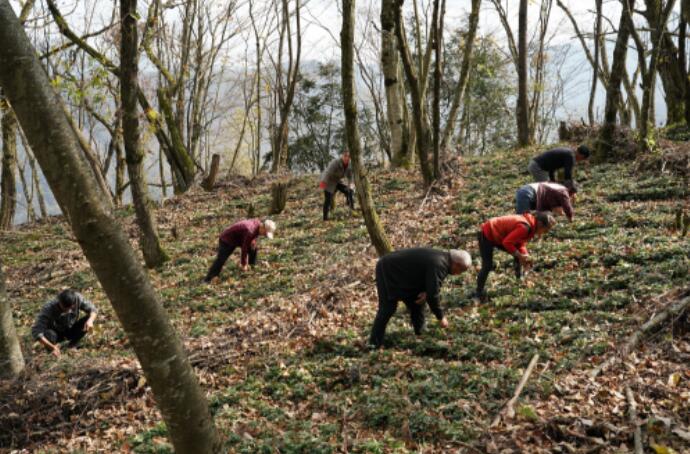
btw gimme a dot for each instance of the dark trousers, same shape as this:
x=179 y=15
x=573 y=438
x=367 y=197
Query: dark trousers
x=387 y=307
x=328 y=199
x=486 y=251
x=224 y=251
x=74 y=334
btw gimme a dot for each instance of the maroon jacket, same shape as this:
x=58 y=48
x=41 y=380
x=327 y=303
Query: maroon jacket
x=553 y=195
x=242 y=234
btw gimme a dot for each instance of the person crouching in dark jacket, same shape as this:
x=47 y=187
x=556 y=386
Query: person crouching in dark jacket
x=59 y=321
x=413 y=276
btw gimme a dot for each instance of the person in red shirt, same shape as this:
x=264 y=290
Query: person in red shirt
x=242 y=234
x=511 y=234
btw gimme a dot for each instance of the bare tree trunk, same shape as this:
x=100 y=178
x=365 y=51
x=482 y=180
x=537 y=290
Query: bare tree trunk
x=104 y=243
x=280 y=158
x=8 y=194
x=371 y=219
x=657 y=16
x=613 y=94
x=595 y=73
x=437 y=25
x=459 y=92
x=685 y=14
x=279 y=197
x=154 y=255
x=523 y=78
x=390 y=65
x=421 y=121
x=210 y=180
x=11 y=358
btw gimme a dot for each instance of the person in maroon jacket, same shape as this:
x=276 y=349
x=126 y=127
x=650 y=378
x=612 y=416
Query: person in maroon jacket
x=242 y=234
x=552 y=197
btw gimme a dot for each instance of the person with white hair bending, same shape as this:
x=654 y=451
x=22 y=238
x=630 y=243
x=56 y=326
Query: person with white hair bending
x=242 y=234
x=414 y=276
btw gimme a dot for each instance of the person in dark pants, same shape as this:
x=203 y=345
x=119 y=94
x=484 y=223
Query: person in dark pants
x=337 y=169
x=511 y=234
x=544 y=166
x=546 y=197
x=59 y=321
x=242 y=234
x=413 y=276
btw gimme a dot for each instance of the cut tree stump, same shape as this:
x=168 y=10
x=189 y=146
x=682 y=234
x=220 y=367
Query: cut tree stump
x=278 y=197
x=210 y=180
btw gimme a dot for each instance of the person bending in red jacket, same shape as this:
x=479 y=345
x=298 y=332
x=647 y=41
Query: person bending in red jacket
x=511 y=234
x=242 y=234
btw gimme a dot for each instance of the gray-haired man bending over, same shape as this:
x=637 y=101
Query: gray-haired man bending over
x=413 y=276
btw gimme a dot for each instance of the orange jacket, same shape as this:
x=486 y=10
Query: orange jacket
x=511 y=232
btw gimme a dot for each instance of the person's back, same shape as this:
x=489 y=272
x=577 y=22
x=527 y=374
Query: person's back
x=544 y=166
x=406 y=270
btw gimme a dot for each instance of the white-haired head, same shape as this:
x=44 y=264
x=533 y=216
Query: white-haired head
x=460 y=261
x=270 y=228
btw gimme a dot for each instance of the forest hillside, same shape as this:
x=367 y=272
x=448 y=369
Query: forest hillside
x=280 y=350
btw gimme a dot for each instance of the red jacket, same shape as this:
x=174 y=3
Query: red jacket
x=242 y=234
x=511 y=232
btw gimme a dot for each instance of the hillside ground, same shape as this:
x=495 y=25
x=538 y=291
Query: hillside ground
x=281 y=350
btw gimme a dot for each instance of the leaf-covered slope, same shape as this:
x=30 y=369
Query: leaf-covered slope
x=281 y=349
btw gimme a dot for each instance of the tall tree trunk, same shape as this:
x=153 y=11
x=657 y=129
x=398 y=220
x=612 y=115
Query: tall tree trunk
x=161 y=354
x=371 y=219
x=613 y=93
x=459 y=92
x=8 y=178
x=437 y=25
x=657 y=16
x=390 y=65
x=129 y=55
x=595 y=74
x=281 y=152
x=11 y=358
x=685 y=19
x=421 y=120
x=523 y=78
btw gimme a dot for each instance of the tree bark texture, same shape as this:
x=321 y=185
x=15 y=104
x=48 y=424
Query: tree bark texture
x=523 y=76
x=421 y=120
x=210 y=180
x=154 y=255
x=371 y=218
x=390 y=65
x=11 y=358
x=8 y=193
x=459 y=93
x=279 y=197
x=105 y=245
x=595 y=73
x=613 y=94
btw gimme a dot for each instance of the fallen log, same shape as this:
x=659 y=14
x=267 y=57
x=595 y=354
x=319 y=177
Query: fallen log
x=632 y=416
x=653 y=324
x=508 y=409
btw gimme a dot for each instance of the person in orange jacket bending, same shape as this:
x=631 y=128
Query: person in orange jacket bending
x=511 y=234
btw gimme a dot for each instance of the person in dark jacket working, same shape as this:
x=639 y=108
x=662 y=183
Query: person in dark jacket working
x=242 y=234
x=552 y=197
x=511 y=234
x=544 y=166
x=413 y=276
x=59 y=321
x=337 y=169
